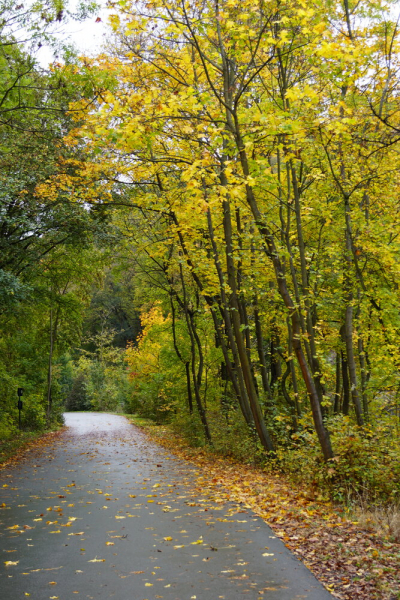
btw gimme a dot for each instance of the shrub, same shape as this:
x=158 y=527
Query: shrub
x=366 y=463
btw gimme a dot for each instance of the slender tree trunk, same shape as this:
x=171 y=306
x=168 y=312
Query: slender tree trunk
x=273 y=254
x=238 y=382
x=314 y=362
x=246 y=368
x=179 y=355
x=345 y=376
x=195 y=375
x=336 y=404
x=351 y=363
x=364 y=376
x=189 y=387
x=50 y=370
x=292 y=368
x=260 y=351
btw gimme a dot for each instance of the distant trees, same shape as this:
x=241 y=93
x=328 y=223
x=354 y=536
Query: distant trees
x=48 y=253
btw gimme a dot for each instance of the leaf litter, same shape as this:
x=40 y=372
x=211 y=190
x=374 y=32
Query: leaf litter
x=348 y=558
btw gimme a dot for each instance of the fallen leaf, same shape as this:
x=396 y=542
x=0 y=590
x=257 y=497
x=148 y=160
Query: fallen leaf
x=137 y=572
x=97 y=560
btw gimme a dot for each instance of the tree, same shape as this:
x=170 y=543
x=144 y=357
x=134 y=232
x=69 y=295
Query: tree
x=249 y=150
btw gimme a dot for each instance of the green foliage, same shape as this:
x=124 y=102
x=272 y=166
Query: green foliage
x=77 y=399
x=366 y=464
x=34 y=413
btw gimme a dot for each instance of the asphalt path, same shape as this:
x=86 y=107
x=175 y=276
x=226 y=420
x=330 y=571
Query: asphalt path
x=105 y=513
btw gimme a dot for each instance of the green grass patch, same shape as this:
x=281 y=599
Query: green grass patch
x=139 y=421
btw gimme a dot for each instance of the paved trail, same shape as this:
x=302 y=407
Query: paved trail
x=104 y=513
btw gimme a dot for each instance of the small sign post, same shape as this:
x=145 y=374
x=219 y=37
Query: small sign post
x=20 y=391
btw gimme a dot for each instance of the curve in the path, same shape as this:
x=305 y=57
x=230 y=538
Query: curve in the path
x=105 y=513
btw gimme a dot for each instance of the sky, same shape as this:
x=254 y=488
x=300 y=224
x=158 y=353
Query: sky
x=87 y=36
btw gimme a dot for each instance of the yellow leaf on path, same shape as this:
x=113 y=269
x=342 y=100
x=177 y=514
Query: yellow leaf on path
x=9 y=563
x=13 y=527
x=197 y=542
x=109 y=543
x=57 y=531
x=148 y=584
x=137 y=572
x=168 y=539
x=97 y=560
x=72 y=518
x=132 y=495
x=52 y=582
x=118 y=517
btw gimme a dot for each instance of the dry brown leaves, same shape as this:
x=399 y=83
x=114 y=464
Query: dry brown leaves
x=352 y=561
x=28 y=448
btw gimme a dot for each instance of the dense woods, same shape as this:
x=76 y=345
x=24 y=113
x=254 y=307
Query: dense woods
x=229 y=171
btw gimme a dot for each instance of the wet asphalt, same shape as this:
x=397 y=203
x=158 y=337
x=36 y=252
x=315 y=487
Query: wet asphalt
x=105 y=513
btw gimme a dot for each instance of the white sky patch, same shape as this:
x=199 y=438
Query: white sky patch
x=86 y=36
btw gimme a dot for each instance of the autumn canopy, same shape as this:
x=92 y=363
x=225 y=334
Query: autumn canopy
x=249 y=154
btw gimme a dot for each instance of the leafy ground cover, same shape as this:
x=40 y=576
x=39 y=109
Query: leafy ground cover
x=350 y=552
x=12 y=450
